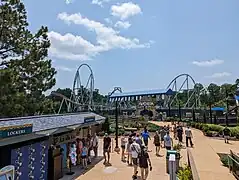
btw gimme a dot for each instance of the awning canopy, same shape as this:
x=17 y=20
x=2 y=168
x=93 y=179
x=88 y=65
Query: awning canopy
x=141 y=93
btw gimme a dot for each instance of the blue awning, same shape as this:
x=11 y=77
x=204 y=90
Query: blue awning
x=237 y=98
x=217 y=109
x=142 y=93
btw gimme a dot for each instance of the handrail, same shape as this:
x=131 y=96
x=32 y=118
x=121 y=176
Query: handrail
x=192 y=165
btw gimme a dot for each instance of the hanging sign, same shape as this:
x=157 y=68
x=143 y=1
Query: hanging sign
x=11 y=131
x=89 y=119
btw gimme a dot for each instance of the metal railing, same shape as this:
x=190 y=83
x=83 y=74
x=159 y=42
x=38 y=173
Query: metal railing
x=233 y=164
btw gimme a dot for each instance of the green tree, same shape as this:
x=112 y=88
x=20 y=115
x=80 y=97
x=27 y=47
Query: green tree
x=26 y=72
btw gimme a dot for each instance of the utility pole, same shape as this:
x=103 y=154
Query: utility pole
x=210 y=111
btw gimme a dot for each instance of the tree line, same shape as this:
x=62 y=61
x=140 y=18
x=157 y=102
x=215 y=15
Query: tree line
x=26 y=72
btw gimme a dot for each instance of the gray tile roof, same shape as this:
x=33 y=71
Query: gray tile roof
x=41 y=123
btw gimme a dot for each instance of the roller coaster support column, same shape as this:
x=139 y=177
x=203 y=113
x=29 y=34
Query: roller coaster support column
x=179 y=112
x=116 y=125
x=169 y=110
x=227 y=109
x=194 y=118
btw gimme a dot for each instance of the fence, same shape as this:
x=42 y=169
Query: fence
x=233 y=163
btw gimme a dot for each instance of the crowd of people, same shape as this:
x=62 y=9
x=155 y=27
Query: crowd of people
x=134 y=148
x=80 y=151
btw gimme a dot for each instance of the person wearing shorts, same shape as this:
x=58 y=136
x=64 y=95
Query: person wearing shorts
x=157 y=143
x=84 y=156
x=144 y=163
x=135 y=150
x=106 y=148
x=129 y=158
x=123 y=146
x=226 y=134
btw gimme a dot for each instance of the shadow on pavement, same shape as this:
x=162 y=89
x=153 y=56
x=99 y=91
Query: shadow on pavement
x=78 y=171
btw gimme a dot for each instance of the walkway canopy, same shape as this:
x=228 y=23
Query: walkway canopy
x=139 y=94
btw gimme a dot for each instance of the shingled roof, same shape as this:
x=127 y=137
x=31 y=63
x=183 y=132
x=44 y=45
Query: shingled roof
x=46 y=122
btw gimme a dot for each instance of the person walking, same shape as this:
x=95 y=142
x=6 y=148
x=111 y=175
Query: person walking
x=95 y=144
x=138 y=140
x=107 y=147
x=168 y=141
x=162 y=134
x=84 y=154
x=157 y=142
x=180 y=134
x=146 y=137
x=135 y=150
x=123 y=146
x=226 y=134
x=129 y=157
x=189 y=136
x=144 y=163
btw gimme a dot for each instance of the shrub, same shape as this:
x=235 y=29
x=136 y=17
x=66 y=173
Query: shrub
x=235 y=131
x=185 y=173
x=153 y=128
x=121 y=132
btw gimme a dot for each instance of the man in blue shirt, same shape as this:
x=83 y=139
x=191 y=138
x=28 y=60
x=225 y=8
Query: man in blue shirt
x=145 y=136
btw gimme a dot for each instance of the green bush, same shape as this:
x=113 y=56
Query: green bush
x=185 y=173
x=235 y=131
x=153 y=128
x=121 y=132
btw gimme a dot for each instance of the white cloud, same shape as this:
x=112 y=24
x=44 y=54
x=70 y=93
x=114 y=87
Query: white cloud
x=63 y=68
x=68 y=1
x=99 y=2
x=122 y=24
x=108 y=20
x=69 y=46
x=208 y=63
x=220 y=75
x=125 y=10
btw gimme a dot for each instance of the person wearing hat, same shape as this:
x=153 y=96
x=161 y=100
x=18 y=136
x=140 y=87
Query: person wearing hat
x=144 y=163
x=107 y=147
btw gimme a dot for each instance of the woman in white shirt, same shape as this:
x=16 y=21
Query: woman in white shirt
x=123 y=146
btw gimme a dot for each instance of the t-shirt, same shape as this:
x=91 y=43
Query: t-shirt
x=167 y=141
x=156 y=139
x=180 y=131
x=135 y=150
x=145 y=135
x=162 y=133
x=107 y=141
x=188 y=132
x=139 y=141
x=226 y=131
x=143 y=159
x=84 y=151
x=95 y=141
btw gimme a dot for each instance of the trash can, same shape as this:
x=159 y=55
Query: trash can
x=177 y=158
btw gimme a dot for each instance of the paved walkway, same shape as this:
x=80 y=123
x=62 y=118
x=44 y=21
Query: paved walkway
x=205 y=156
x=120 y=170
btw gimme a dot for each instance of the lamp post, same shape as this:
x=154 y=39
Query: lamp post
x=116 y=125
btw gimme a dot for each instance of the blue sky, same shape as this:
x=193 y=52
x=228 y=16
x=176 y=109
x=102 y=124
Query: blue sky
x=140 y=45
